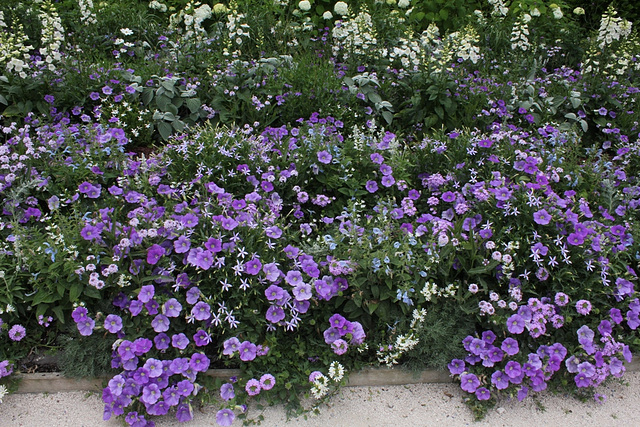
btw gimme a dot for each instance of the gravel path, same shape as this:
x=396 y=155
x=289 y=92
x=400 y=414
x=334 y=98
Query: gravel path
x=397 y=406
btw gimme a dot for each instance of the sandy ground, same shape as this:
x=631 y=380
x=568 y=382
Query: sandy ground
x=397 y=406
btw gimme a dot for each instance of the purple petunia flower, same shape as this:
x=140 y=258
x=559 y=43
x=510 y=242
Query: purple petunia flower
x=387 y=180
x=271 y=271
x=201 y=311
x=371 y=186
x=253 y=266
x=179 y=341
x=575 y=239
x=582 y=380
x=247 y=351
x=179 y=365
x=483 y=393
x=79 y=313
x=274 y=232
x=302 y=292
x=185 y=387
x=231 y=346
x=515 y=324
x=135 y=307
x=228 y=223
x=330 y=335
x=146 y=293
x=113 y=323
x=154 y=253
x=541 y=217
x=616 y=315
x=225 y=417
x=274 y=293
x=227 y=392
x=154 y=367
x=91 y=232
x=172 y=308
x=274 y=314
x=510 y=346
x=293 y=277
x=385 y=169
x=142 y=346
x=199 y=362
x=85 y=327
x=182 y=244
x=160 y=323
x=585 y=335
x=456 y=366
x=469 y=383
x=324 y=157
x=202 y=338
x=161 y=341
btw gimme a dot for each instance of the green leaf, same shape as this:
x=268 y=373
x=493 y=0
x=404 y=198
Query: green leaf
x=162 y=102
x=178 y=125
x=168 y=85
x=387 y=116
x=43 y=297
x=75 y=291
x=147 y=95
x=164 y=129
x=92 y=292
x=484 y=269
x=57 y=310
x=372 y=307
x=375 y=291
x=374 y=97
x=4 y=100
x=193 y=104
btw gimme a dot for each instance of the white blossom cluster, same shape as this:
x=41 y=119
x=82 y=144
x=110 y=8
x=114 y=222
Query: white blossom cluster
x=336 y=371
x=192 y=16
x=499 y=8
x=612 y=28
x=14 y=52
x=87 y=15
x=52 y=35
x=410 y=51
x=431 y=290
x=390 y=354
x=354 y=36
x=320 y=386
x=519 y=39
x=237 y=27
x=465 y=44
x=156 y=5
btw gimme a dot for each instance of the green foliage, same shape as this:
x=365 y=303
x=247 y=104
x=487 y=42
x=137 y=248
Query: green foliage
x=85 y=357
x=448 y=15
x=438 y=333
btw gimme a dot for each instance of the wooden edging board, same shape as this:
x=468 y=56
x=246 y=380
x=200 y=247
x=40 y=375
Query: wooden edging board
x=56 y=382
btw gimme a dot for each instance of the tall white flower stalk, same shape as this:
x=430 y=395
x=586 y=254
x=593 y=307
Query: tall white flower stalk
x=52 y=35
x=519 y=35
x=612 y=27
x=14 y=50
x=87 y=14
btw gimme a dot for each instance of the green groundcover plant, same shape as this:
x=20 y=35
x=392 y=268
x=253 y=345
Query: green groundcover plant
x=466 y=200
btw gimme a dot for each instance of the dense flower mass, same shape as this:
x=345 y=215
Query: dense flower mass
x=295 y=201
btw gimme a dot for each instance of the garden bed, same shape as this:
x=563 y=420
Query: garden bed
x=306 y=189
